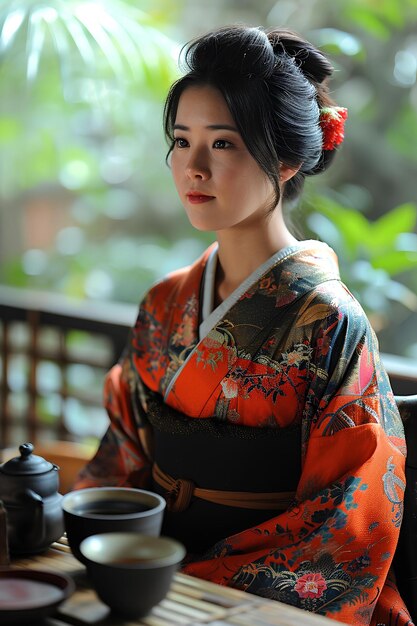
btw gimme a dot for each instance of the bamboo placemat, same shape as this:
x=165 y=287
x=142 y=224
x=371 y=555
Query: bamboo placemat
x=189 y=602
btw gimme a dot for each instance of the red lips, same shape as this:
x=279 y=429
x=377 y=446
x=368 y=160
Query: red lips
x=196 y=197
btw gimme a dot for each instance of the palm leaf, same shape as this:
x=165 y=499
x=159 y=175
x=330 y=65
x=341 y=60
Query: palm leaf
x=12 y=22
x=80 y=39
x=107 y=36
x=92 y=23
x=36 y=40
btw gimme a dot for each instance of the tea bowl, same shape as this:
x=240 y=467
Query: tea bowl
x=131 y=572
x=98 y=510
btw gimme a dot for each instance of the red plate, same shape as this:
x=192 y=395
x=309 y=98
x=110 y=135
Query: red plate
x=31 y=594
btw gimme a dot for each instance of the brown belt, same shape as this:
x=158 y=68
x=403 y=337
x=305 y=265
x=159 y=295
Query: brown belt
x=180 y=492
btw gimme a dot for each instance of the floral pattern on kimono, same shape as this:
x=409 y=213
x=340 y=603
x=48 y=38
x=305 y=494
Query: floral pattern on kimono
x=294 y=348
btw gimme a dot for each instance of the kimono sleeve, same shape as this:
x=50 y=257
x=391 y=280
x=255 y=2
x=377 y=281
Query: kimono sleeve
x=331 y=552
x=121 y=460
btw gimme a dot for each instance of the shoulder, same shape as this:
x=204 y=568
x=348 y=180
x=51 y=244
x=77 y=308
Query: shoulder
x=167 y=286
x=318 y=257
x=337 y=297
x=333 y=303
x=171 y=296
x=330 y=292
x=176 y=283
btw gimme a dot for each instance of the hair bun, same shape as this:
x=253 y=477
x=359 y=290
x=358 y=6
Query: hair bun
x=244 y=51
x=312 y=63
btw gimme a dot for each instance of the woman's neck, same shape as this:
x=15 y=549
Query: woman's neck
x=241 y=251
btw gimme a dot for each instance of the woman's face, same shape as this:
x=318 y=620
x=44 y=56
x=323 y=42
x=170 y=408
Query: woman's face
x=220 y=184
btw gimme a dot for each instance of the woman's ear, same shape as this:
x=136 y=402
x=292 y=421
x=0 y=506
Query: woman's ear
x=286 y=172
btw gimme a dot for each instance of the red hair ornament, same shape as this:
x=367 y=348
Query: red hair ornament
x=332 y=122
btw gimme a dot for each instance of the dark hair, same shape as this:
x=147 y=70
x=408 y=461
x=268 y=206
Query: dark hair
x=275 y=84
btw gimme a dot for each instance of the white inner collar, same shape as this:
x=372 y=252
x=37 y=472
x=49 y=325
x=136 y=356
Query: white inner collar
x=210 y=316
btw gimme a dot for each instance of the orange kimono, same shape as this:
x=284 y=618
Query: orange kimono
x=290 y=349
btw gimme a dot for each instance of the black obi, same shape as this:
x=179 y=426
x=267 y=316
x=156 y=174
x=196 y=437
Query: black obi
x=223 y=456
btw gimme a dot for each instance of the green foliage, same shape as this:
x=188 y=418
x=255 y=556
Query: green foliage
x=402 y=133
x=73 y=74
x=379 y=17
x=339 y=42
x=87 y=38
x=121 y=268
x=82 y=85
x=371 y=253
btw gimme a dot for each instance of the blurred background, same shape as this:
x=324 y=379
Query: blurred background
x=89 y=215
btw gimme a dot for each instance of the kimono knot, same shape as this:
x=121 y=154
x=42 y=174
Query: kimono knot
x=179 y=496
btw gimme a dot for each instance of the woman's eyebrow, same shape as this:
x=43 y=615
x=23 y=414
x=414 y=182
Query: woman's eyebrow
x=210 y=127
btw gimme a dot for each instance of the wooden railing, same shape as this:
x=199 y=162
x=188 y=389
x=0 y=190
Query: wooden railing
x=54 y=354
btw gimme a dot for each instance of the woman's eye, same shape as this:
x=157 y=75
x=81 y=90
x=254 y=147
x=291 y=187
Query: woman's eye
x=221 y=144
x=180 y=142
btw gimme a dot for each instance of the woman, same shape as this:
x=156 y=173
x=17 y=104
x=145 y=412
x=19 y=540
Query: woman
x=251 y=393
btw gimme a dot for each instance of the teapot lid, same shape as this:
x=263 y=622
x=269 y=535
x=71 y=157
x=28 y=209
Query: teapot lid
x=27 y=463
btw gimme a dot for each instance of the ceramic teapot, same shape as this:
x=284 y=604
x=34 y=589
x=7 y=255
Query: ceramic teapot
x=29 y=491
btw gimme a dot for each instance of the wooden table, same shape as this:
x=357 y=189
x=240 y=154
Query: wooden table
x=190 y=601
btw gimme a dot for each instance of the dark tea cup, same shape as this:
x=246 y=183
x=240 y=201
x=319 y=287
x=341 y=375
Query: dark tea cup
x=131 y=572
x=99 y=510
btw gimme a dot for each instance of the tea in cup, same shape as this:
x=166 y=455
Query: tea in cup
x=98 y=510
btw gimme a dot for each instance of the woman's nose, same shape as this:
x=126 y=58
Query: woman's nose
x=198 y=167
